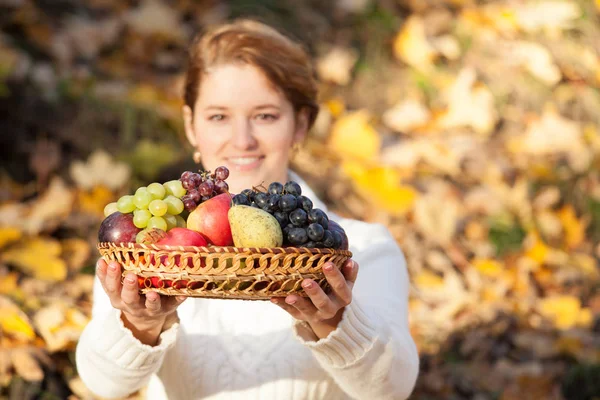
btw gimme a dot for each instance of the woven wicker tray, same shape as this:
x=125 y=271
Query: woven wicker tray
x=223 y=272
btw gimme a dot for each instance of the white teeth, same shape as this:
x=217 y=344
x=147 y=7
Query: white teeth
x=243 y=160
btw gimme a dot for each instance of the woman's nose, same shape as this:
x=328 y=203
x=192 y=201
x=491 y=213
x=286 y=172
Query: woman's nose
x=243 y=135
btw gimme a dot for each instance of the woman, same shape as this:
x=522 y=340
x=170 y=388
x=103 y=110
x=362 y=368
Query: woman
x=250 y=97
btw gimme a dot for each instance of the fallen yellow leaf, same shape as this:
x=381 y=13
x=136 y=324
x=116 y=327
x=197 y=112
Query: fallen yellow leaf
x=537 y=251
x=336 y=106
x=564 y=311
x=38 y=257
x=8 y=283
x=488 y=267
x=8 y=235
x=427 y=280
x=412 y=47
x=573 y=227
x=353 y=136
x=94 y=200
x=382 y=187
x=14 y=322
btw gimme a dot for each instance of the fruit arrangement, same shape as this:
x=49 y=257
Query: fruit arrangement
x=193 y=227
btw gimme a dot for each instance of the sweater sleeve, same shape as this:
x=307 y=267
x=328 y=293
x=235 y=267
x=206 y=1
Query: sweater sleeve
x=371 y=354
x=110 y=360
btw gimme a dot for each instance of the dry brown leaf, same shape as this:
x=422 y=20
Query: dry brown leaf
x=353 y=6
x=12 y=215
x=406 y=116
x=26 y=365
x=550 y=16
x=45 y=158
x=528 y=387
x=50 y=209
x=154 y=17
x=5 y=367
x=536 y=59
x=470 y=103
x=336 y=66
x=59 y=326
x=80 y=389
x=100 y=170
x=448 y=46
x=39 y=257
x=75 y=252
x=436 y=213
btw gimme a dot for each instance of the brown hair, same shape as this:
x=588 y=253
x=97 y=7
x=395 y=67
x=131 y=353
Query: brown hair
x=284 y=62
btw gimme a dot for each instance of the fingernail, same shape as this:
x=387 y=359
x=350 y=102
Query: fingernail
x=290 y=301
x=274 y=300
x=307 y=285
x=130 y=280
x=328 y=267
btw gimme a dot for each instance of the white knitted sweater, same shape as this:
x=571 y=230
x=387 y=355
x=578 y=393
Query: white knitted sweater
x=227 y=349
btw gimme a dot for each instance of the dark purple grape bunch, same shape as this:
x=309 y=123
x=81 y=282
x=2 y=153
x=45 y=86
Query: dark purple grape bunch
x=203 y=186
x=302 y=225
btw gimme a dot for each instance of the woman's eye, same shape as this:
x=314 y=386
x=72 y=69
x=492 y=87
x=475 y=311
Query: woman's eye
x=266 y=117
x=217 y=117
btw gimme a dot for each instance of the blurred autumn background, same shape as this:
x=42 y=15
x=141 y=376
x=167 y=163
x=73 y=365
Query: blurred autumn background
x=469 y=128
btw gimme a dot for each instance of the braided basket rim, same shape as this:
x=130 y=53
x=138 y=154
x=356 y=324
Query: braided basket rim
x=225 y=249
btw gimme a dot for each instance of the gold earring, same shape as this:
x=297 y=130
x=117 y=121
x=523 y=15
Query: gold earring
x=295 y=148
x=197 y=157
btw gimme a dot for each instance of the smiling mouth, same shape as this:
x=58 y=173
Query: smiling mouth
x=245 y=162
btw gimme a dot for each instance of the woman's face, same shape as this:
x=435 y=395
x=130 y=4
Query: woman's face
x=243 y=122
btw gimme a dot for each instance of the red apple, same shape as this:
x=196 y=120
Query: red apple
x=210 y=219
x=182 y=237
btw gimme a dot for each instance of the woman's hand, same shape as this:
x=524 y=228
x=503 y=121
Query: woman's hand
x=321 y=311
x=145 y=315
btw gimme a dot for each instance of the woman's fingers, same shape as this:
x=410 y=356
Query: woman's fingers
x=130 y=294
x=112 y=282
x=153 y=303
x=350 y=271
x=324 y=307
x=338 y=283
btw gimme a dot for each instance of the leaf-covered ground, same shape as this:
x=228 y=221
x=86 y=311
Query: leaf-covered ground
x=469 y=128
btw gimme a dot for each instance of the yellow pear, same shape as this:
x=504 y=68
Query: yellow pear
x=253 y=227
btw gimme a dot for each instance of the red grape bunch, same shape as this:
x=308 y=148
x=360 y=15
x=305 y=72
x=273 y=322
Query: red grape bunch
x=203 y=186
